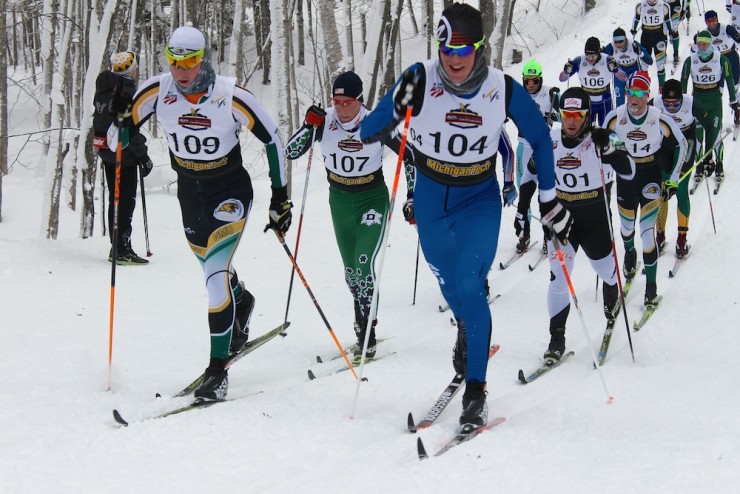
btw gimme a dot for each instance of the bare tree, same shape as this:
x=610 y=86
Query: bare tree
x=379 y=9
x=498 y=36
x=332 y=47
x=3 y=109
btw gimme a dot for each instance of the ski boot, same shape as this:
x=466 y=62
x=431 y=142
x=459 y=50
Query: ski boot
x=630 y=263
x=612 y=302
x=475 y=408
x=372 y=344
x=125 y=256
x=460 y=351
x=556 y=348
x=215 y=382
x=523 y=243
x=719 y=172
x=651 y=295
x=244 y=305
x=660 y=241
x=681 y=247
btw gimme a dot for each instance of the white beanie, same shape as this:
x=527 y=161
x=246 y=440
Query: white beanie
x=186 y=39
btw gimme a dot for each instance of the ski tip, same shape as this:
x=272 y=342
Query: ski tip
x=311 y=375
x=441 y=309
x=530 y=267
x=410 y=424
x=501 y=266
x=522 y=379
x=453 y=322
x=671 y=274
x=318 y=359
x=157 y=395
x=117 y=417
x=422 y=452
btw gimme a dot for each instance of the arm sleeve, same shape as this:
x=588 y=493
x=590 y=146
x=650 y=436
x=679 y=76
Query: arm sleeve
x=674 y=144
x=299 y=143
x=727 y=73
x=507 y=156
x=249 y=112
x=409 y=159
x=524 y=112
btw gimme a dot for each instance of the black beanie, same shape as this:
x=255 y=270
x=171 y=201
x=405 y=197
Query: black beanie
x=593 y=46
x=348 y=84
x=460 y=24
x=672 y=90
x=619 y=32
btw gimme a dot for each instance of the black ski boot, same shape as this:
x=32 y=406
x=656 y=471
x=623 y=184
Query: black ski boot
x=660 y=241
x=651 y=295
x=244 y=305
x=630 y=263
x=612 y=302
x=556 y=348
x=215 y=382
x=523 y=243
x=372 y=344
x=125 y=256
x=475 y=408
x=719 y=172
x=460 y=351
x=681 y=247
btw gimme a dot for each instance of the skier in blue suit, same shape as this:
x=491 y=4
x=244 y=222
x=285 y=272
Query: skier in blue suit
x=459 y=106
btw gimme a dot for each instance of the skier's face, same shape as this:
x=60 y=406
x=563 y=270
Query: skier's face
x=637 y=100
x=573 y=121
x=711 y=23
x=457 y=67
x=184 y=77
x=346 y=108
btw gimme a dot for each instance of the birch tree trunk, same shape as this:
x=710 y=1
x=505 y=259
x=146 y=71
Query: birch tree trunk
x=3 y=110
x=49 y=23
x=236 y=45
x=428 y=20
x=281 y=88
x=389 y=77
x=332 y=47
x=350 y=38
x=498 y=36
x=380 y=10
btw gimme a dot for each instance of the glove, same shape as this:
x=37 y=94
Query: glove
x=551 y=118
x=669 y=189
x=146 y=166
x=568 y=67
x=709 y=168
x=521 y=224
x=408 y=211
x=636 y=47
x=735 y=106
x=509 y=192
x=556 y=219
x=633 y=31
x=674 y=34
x=601 y=137
x=554 y=91
x=406 y=92
x=612 y=65
x=123 y=97
x=315 y=116
x=280 y=215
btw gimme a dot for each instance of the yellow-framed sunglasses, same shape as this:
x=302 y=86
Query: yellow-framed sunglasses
x=182 y=58
x=460 y=50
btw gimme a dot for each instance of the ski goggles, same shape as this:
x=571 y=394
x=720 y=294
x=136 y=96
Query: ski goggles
x=459 y=50
x=181 y=58
x=672 y=105
x=577 y=114
x=637 y=93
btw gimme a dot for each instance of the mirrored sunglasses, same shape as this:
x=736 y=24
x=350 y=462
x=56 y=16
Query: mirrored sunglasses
x=184 y=60
x=637 y=93
x=577 y=114
x=672 y=105
x=460 y=50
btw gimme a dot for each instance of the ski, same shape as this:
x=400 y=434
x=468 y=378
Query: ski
x=446 y=307
x=355 y=363
x=679 y=262
x=543 y=256
x=717 y=185
x=457 y=383
x=628 y=281
x=697 y=180
x=196 y=405
x=647 y=313
x=517 y=255
x=543 y=369
x=249 y=348
x=466 y=434
x=606 y=340
x=349 y=351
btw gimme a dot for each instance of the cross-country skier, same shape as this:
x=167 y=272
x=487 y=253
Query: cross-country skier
x=202 y=113
x=459 y=105
x=595 y=73
x=655 y=143
x=630 y=58
x=655 y=18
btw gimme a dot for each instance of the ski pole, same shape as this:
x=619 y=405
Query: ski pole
x=616 y=260
x=711 y=208
x=416 y=270
x=561 y=259
x=381 y=255
x=143 y=209
x=281 y=238
x=123 y=131
x=300 y=221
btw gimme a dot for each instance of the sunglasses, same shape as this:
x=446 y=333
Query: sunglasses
x=344 y=103
x=459 y=50
x=577 y=114
x=637 y=93
x=531 y=80
x=672 y=105
x=180 y=59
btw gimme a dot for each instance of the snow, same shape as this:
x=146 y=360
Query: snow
x=672 y=427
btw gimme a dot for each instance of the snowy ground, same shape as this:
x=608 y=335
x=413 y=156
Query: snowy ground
x=672 y=427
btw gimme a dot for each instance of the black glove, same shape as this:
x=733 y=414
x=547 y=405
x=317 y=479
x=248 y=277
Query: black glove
x=612 y=65
x=521 y=224
x=601 y=137
x=123 y=97
x=556 y=219
x=407 y=93
x=669 y=189
x=636 y=47
x=633 y=31
x=315 y=116
x=280 y=215
x=709 y=168
x=551 y=118
x=735 y=106
x=568 y=67
x=509 y=192
x=674 y=34
x=146 y=166
x=408 y=211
